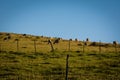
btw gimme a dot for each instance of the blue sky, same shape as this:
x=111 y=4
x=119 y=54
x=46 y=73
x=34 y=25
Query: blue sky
x=94 y=19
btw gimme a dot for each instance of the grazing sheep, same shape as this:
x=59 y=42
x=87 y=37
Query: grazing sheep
x=24 y=35
x=76 y=39
x=94 y=44
x=16 y=39
x=5 y=39
x=56 y=41
x=9 y=37
x=80 y=44
x=115 y=42
x=41 y=36
x=87 y=40
x=70 y=39
x=85 y=43
x=7 y=34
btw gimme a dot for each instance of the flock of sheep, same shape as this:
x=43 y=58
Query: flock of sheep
x=57 y=40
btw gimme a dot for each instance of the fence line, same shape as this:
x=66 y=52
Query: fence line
x=19 y=46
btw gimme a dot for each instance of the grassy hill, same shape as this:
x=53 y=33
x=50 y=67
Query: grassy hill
x=26 y=44
x=29 y=57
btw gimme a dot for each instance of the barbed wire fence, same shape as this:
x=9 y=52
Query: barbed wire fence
x=58 y=73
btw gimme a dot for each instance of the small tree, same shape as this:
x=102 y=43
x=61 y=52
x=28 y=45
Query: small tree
x=52 y=48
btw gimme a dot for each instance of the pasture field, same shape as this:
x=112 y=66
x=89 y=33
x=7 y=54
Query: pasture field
x=26 y=64
x=52 y=66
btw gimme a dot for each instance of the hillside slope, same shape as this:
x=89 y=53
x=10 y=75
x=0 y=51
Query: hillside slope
x=20 y=61
x=28 y=43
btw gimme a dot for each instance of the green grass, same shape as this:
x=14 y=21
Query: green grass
x=25 y=64
x=51 y=66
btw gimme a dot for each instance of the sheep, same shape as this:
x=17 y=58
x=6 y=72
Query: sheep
x=24 y=35
x=70 y=39
x=9 y=37
x=5 y=39
x=115 y=42
x=76 y=39
x=87 y=40
x=56 y=41
x=85 y=43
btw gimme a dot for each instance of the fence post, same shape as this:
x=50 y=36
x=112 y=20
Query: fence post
x=35 y=45
x=0 y=48
x=83 y=46
x=99 y=46
x=116 y=48
x=69 y=45
x=66 y=78
x=115 y=45
x=17 y=44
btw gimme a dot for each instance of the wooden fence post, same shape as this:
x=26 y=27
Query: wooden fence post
x=0 y=48
x=99 y=46
x=69 y=45
x=115 y=48
x=83 y=46
x=66 y=78
x=35 y=45
x=115 y=45
x=17 y=44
